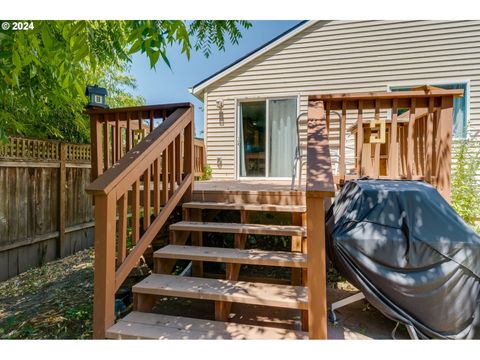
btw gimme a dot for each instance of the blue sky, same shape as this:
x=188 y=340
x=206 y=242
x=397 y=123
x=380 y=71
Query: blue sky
x=165 y=85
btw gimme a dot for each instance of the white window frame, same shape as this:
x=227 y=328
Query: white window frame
x=98 y=99
x=266 y=99
x=447 y=81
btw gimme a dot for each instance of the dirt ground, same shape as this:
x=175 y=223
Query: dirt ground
x=50 y=302
x=55 y=302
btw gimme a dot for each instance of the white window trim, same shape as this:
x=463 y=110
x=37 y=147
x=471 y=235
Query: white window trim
x=238 y=102
x=447 y=81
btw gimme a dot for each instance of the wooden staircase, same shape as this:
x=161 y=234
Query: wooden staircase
x=136 y=188
x=129 y=177
x=223 y=291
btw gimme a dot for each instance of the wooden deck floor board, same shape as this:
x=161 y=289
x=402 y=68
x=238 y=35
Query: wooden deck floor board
x=235 y=228
x=249 y=207
x=137 y=325
x=233 y=256
x=286 y=296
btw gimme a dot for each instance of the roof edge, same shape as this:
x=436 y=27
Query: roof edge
x=199 y=87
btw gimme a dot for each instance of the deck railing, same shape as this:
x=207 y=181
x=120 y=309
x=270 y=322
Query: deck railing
x=418 y=143
x=199 y=156
x=419 y=147
x=154 y=168
x=115 y=131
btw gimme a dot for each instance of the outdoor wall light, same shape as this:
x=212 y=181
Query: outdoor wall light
x=96 y=96
x=219 y=104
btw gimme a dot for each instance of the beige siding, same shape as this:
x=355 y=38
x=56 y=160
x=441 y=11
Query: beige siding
x=341 y=56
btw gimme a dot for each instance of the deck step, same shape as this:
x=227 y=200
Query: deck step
x=285 y=296
x=234 y=228
x=138 y=325
x=249 y=207
x=233 y=256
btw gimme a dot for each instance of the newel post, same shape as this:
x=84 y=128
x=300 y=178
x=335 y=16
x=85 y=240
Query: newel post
x=316 y=268
x=319 y=187
x=188 y=156
x=104 y=276
x=444 y=147
x=96 y=141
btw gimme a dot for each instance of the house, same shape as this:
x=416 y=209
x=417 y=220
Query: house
x=251 y=105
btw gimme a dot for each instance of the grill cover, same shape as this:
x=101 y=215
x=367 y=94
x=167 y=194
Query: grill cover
x=410 y=253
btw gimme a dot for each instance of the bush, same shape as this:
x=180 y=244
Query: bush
x=207 y=173
x=466 y=181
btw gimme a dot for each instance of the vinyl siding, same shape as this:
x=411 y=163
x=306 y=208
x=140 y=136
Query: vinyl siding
x=345 y=56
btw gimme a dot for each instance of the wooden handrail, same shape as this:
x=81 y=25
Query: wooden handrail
x=164 y=163
x=384 y=95
x=136 y=109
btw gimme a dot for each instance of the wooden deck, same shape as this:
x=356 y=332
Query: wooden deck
x=158 y=172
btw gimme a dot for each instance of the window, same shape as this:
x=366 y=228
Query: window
x=460 y=109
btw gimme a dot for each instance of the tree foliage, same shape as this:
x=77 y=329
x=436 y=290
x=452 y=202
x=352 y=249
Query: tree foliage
x=44 y=71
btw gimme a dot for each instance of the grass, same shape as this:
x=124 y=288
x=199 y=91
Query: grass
x=51 y=302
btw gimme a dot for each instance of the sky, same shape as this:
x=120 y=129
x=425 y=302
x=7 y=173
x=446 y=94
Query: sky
x=164 y=85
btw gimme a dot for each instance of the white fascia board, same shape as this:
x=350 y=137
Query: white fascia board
x=197 y=91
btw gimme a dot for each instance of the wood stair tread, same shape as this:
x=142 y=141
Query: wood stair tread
x=235 y=228
x=250 y=207
x=286 y=296
x=233 y=256
x=138 y=325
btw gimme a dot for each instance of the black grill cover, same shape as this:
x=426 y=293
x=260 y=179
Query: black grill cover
x=410 y=253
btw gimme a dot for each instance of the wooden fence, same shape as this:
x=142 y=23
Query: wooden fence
x=45 y=212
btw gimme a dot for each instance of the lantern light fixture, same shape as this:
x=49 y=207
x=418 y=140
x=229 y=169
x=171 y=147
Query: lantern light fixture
x=96 y=96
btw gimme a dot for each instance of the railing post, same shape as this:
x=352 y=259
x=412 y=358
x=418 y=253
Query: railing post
x=444 y=145
x=96 y=146
x=104 y=277
x=316 y=273
x=319 y=186
x=188 y=156
x=429 y=143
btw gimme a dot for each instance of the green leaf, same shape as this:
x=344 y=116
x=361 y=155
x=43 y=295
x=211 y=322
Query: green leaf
x=80 y=89
x=46 y=38
x=165 y=59
x=153 y=56
x=16 y=60
x=136 y=46
x=33 y=71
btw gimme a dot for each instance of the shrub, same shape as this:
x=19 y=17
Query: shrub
x=466 y=181
x=207 y=173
